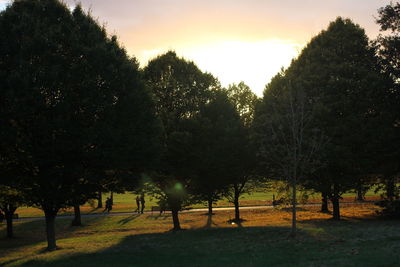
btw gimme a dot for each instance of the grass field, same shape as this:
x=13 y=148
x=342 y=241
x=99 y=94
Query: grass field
x=361 y=239
x=127 y=203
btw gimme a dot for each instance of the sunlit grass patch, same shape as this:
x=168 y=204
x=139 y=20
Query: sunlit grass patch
x=261 y=239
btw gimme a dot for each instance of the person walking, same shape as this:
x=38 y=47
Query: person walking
x=142 y=201
x=108 y=205
x=138 y=203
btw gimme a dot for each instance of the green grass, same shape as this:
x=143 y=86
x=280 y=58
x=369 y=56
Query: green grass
x=127 y=202
x=144 y=240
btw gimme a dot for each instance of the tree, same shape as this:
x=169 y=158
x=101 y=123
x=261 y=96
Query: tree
x=244 y=157
x=388 y=141
x=74 y=100
x=10 y=200
x=218 y=128
x=339 y=72
x=180 y=89
x=288 y=140
x=332 y=90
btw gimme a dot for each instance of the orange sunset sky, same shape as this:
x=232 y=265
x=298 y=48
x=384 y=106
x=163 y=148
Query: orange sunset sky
x=235 y=40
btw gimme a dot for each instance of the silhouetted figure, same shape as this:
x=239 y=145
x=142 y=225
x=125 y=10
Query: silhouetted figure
x=1 y=216
x=108 y=205
x=142 y=202
x=138 y=204
x=163 y=205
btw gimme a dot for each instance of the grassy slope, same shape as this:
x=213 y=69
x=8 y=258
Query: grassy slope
x=262 y=240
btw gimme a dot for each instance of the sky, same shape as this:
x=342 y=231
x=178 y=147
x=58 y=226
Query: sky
x=235 y=40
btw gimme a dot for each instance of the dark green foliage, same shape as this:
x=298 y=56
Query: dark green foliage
x=74 y=102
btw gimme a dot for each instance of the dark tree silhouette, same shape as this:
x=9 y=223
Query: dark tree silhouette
x=218 y=130
x=387 y=46
x=244 y=159
x=288 y=140
x=180 y=89
x=338 y=77
x=74 y=100
x=10 y=200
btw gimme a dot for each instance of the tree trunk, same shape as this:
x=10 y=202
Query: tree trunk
x=360 y=193
x=210 y=207
x=9 y=219
x=100 y=201
x=336 y=208
x=294 y=200
x=335 y=203
x=175 y=219
x=236 y=203
x=112 y=197
x=77 y=216
x=8 y=214
x=390 y=189
x=50 y=230
x=324 y=206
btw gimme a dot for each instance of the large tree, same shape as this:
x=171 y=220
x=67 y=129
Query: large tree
x=218 y=130
x=180 y=89
x=288 y=140
x=243 y=160
x=73 y=99
x=339 y=77
x=387 y=46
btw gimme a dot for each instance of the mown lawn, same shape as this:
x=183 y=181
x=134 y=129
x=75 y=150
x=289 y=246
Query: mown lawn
x=126 y=203
x=361 y=239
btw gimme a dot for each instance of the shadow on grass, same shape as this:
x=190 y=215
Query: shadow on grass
x=290 y=209
x=94 y=211
x=26 y=232
x=202 y=247
x=128 y=219
x=158 y=216
x=209 y=222
x=246 y=246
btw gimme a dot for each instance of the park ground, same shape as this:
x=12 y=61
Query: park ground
x=126 y=203
x=361 y=239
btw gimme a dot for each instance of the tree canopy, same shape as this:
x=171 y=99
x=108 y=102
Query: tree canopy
x=72 y=98
x=338 y=76
x=180 y=90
